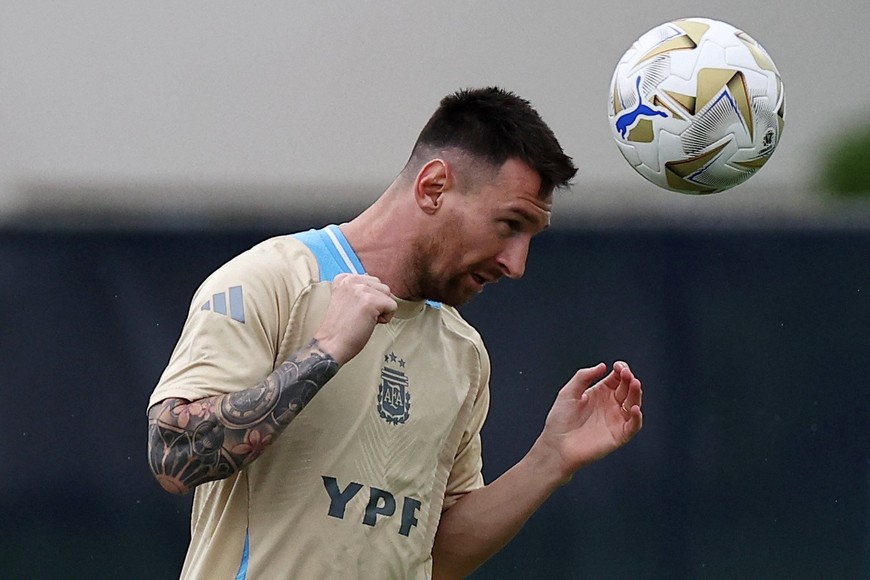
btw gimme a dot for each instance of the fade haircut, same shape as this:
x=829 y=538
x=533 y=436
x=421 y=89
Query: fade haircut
x=495 y=125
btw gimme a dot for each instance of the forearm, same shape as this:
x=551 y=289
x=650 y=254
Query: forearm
x=190 y=443
x=485 y=520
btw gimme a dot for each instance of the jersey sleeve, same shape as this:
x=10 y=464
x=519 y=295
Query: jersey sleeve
x=236 y=322
x=467 y=472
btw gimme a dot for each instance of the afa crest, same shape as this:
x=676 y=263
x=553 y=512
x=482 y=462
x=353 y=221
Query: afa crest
x=394 y=400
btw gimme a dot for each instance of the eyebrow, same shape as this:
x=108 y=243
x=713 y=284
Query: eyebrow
x=529 y=217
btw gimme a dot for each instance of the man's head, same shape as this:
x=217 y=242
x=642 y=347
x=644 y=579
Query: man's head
x=482 y=172
x=490 y=126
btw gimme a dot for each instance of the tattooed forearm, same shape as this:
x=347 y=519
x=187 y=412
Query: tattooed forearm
x=190 y=443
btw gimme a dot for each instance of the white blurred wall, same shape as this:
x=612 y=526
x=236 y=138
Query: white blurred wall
x=175 y=107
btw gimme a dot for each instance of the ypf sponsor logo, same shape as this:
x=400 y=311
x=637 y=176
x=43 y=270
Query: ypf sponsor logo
x=380 y=504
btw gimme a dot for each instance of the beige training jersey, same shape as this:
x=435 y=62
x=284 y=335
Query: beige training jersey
x=355 y=486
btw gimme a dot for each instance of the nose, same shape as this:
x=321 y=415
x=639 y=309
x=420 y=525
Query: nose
x=512 y=259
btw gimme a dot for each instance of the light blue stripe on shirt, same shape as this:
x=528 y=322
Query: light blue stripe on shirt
x=243 y=566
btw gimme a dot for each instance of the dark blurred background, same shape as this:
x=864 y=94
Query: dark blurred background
x=752 y=345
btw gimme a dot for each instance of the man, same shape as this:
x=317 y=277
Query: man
x=326 y=399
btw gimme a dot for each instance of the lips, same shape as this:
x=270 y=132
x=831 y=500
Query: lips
x=481 y=280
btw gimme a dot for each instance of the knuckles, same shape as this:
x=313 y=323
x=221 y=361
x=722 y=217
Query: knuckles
x=363 y=294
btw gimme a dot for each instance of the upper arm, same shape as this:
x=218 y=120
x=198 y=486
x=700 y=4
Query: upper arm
x=235 y=325
x=466 y=473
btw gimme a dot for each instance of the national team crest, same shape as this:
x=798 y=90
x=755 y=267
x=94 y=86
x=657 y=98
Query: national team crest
x=394 y=400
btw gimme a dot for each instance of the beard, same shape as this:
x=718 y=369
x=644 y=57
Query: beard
x=426 y=282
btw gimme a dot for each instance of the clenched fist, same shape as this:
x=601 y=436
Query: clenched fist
x=358 y=303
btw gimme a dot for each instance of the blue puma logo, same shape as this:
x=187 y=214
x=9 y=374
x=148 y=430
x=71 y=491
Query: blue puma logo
x=629 y=118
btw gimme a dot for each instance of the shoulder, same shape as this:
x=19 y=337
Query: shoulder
x=280 y=255
x=266 y=278
x=278 y=262
x=454 y=323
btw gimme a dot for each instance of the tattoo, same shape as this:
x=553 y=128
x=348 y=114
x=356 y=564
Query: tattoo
x=190 y=443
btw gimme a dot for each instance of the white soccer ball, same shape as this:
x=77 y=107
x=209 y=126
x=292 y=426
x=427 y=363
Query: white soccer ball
x=696 y=106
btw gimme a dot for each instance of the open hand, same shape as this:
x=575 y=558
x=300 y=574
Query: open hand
x=586 y=423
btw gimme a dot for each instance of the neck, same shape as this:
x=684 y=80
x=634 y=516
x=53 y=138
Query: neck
x=381 y=236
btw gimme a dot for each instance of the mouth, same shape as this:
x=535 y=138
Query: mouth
x=481 y=281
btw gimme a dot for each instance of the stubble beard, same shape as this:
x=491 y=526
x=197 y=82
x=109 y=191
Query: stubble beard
x=425 y=283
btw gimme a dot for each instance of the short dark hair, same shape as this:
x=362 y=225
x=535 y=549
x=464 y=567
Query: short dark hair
x=496 y=125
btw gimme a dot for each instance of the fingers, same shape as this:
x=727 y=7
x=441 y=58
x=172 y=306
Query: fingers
x=358 y=303
x=362 y=281
x=634 y=416
x=584 y=377
x=634 y=396
x=627 y=389
x=629 y=395
x=622 y=378
x=365 y=292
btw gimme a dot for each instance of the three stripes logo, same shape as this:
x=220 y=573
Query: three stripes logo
x=232 y=305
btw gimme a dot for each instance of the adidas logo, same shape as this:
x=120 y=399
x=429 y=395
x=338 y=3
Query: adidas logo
x=219 y=302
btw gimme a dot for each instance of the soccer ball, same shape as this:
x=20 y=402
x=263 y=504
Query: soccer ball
x=696 y=106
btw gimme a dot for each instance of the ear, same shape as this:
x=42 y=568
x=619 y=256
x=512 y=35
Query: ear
x=433 y=180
